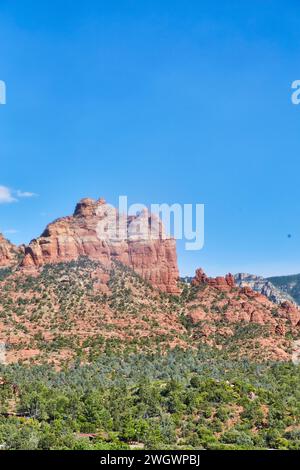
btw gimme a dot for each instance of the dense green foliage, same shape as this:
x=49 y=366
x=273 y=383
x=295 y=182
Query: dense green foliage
x=183 y=399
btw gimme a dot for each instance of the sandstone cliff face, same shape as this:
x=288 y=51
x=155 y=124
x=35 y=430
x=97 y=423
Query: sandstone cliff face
x=8 y=252
x=97 y=231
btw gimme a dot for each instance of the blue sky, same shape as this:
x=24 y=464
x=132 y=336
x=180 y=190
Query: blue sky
x=163 y=101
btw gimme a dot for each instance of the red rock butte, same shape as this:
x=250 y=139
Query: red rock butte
x=220 y=282
x=148 y=252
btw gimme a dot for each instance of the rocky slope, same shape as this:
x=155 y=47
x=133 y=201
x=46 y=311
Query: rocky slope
x=263 y=286
x=138 y=242
x=240 y=319
x=8 y=253
x=81 y=308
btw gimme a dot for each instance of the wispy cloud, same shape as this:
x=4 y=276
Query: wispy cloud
x=8 y=195
x=10 y=231
x=25 y=194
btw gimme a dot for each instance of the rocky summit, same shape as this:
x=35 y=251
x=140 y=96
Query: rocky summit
x=97 y=231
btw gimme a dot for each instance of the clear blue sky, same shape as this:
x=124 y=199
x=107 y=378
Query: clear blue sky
x=165 y=101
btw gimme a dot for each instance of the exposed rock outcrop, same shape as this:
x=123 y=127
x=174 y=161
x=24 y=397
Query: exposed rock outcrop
x=8 y=252
x=291 y=312
x=99 y=232
x=239 y=304
x=221 y=283
x=262 y=286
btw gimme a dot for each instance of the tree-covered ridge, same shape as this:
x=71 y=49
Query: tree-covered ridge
x=181 y=400
x=82 y=309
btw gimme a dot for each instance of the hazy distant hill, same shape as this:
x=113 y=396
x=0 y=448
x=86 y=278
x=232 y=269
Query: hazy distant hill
x=263 y=286
x=288 y=284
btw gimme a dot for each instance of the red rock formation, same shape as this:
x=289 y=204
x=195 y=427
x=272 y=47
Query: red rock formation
x=222 y=283
x=97 y=231
x=291 y=312
x=240 y=304
x=200 y=278
x=229 y=278
x=8 y=252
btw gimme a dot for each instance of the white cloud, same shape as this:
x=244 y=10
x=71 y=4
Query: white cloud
x=25 y=194
x=8 y=195
x=10 y=231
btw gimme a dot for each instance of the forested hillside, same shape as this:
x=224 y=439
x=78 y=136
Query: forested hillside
x=181 y=400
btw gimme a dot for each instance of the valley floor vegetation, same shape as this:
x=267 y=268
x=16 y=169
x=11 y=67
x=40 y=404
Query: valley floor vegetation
x=178 y=400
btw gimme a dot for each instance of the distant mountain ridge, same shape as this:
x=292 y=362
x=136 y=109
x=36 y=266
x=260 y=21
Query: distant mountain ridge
x=264 y=286
x=290 y=285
